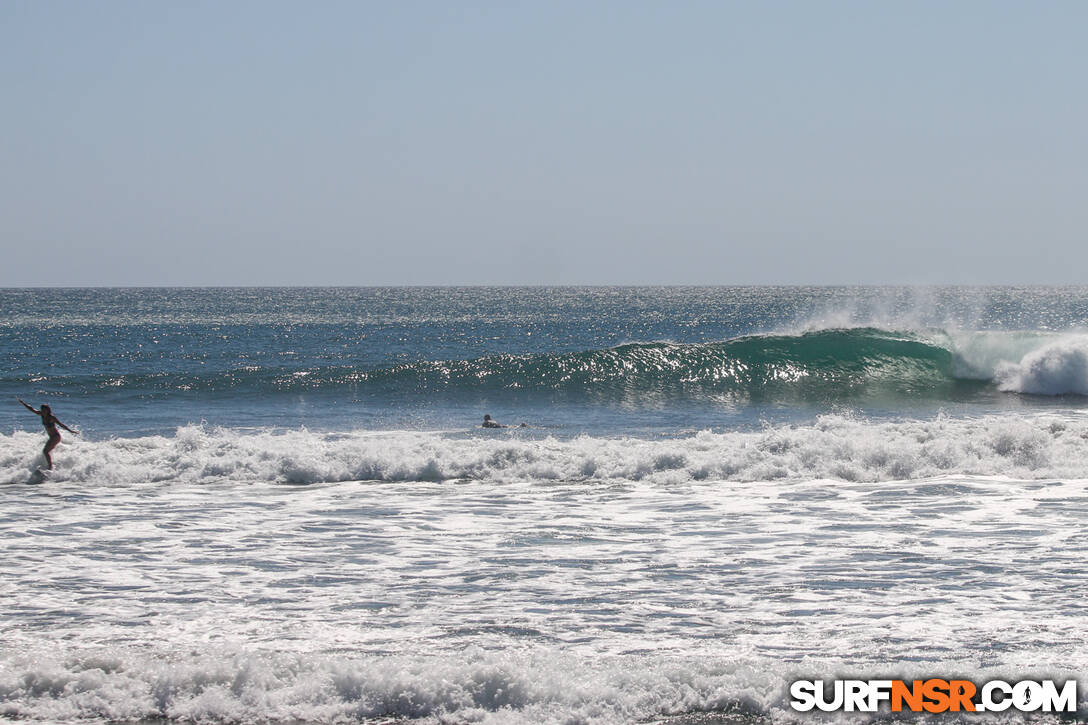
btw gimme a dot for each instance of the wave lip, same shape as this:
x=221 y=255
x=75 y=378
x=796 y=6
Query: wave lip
x=818 y=362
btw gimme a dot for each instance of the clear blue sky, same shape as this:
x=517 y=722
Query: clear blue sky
x=623 y=142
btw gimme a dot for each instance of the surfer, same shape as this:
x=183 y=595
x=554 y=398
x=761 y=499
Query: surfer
x=490 y=423
x=50 y=422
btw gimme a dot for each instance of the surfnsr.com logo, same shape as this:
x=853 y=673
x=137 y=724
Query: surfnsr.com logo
x=934 y=695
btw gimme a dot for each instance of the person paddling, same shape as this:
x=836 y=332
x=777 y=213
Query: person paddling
x=490 y=422
x=50 y=422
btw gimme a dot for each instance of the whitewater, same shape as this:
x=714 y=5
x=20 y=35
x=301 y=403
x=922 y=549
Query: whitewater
x=281 y=508
x=528 y=601
x=1040 y=446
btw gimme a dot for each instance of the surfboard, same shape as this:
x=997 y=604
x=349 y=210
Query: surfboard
x=39 y=475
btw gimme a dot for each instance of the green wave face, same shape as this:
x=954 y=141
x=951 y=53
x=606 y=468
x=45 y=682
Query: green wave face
x=820 y=365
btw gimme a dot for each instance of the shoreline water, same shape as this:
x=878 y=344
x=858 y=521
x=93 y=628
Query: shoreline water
x=716 y=495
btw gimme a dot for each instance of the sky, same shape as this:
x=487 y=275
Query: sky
x=239 y=142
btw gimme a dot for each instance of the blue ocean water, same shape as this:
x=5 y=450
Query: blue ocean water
x=282 y=507
x=567 y=360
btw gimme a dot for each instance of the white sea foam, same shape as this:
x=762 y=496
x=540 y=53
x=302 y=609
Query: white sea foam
x=599 y=601
x=516 y=687
x=835 y=447
x=533 y=686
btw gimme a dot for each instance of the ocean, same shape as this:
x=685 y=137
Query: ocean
x=282 y=507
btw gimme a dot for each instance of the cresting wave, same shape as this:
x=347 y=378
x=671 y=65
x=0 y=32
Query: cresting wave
x=1042 y=446
x=816 y=365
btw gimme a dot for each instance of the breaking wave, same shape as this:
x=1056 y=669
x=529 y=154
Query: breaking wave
x=815 y=366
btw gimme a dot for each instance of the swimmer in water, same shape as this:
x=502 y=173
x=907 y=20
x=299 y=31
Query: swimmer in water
x=50 y=422
x=489 y=423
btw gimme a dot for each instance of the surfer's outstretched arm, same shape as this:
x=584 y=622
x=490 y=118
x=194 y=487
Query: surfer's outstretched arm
x=35 y=412
x=62 y=425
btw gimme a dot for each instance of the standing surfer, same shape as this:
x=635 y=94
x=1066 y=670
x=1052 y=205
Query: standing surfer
x=50 y=422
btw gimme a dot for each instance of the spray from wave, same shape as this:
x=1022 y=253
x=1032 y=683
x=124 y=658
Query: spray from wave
x=1056 y=368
